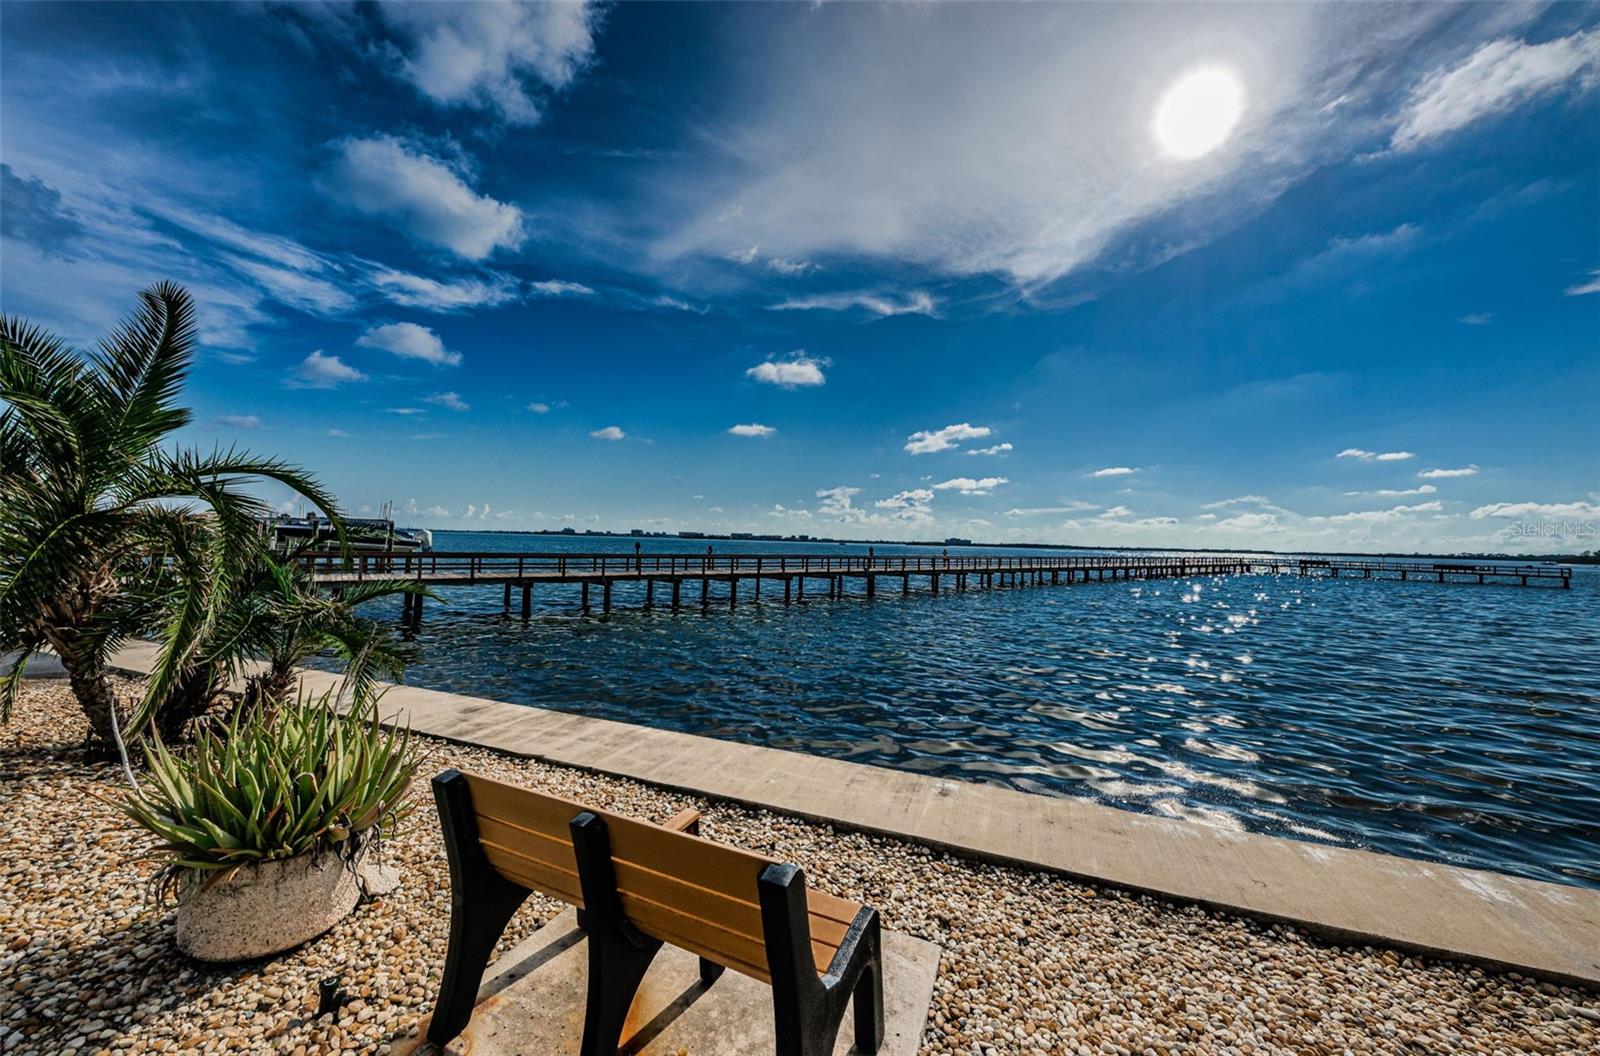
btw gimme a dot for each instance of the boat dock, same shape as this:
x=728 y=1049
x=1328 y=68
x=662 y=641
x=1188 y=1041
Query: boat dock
x=836 y=574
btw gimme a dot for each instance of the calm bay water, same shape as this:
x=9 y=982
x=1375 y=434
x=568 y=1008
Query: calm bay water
x=1455 y=723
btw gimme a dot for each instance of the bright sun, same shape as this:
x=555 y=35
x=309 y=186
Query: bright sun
x=1198 y=113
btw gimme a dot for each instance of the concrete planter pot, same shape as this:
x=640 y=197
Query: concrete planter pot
x=274 y=906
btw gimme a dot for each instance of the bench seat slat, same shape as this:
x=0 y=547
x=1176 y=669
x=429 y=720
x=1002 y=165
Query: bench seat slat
x=693 y=893
x=729 y=914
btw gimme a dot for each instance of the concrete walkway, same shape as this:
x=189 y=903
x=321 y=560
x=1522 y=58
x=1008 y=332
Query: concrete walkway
x=1548 y=929
x=533 y=1002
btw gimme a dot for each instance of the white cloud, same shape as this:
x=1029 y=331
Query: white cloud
x=837 y=502
x=1582 y=288
x=1442 y=474
x=1239 y=500
x=916 y=498
x=321 y=371
x=410 y=341
x=1390 y=493
x=385 y=177
x=916 y=302
x=752 y=429
x=538 y=407
x=1116 y=511
x=494 y=56
x=239 y=421
x=418 y=291
x=610 y=432
x=790 y=267
x=1114 y=471
x=449 y=400
x=797 y=371
x=969 y=486
x=1495 y=78
x=959 y=155
x=407 y=412
x=997 y=449
x=927 y=441
x=339 y=434
x=560 y=288
x=1579 y=510
x=1388 y=516
x=1375 y=456
x=297 y=289
x=1250 y=522
x=1477 y=318
x=1076 y=506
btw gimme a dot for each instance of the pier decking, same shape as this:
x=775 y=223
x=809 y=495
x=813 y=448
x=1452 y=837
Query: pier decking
x=838 y=573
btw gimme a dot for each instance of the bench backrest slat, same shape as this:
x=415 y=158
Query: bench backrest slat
x=698 y=895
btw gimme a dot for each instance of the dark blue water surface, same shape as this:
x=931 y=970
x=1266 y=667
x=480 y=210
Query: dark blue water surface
x=1457 y=723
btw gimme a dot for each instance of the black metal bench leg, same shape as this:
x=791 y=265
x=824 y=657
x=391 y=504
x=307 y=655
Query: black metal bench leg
x=804 y=1024
x=868 y=993
x=809 y=1009
x=481 y=905
x=619 y=954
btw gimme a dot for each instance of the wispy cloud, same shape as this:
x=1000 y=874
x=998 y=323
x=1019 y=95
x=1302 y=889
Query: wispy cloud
x=927 y=441
x=450 y=295
x=1375 y=456
x=1114 y=471
x=1579 y=509
x=539 y=407
x=1076 y=506
x=449 y=400
x=239 y=421
x=752 y=429
x=995 y=449
x=560 y=288
x=610 y=432
x=917 y=302
x=1477 y=319
x=1497 y=77
x=1583 y=288
x=1443 y=474
x=1390 y=493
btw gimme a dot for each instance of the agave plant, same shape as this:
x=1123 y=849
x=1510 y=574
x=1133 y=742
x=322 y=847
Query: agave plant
x=87 y=491
x=300 y=778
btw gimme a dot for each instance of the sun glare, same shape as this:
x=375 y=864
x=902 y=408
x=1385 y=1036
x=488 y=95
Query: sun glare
x=1198 y=113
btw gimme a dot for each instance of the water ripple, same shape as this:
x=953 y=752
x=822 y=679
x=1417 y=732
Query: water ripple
x=1456 y=723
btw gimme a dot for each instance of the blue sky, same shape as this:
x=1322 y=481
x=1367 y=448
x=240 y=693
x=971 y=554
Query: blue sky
x=896 y=272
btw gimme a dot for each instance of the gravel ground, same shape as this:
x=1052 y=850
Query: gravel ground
x=1033 y=964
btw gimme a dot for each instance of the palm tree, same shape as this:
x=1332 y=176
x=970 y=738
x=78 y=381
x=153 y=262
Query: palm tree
x=274 y=619
x=88 y=494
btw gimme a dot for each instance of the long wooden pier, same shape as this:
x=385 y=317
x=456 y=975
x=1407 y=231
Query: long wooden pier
x=836 y=574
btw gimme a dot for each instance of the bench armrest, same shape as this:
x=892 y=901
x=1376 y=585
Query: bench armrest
x=686 y=820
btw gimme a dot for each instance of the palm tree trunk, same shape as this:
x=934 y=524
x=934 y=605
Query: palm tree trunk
x=91 y=684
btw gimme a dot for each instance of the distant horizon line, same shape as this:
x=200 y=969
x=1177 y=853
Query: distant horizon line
x=1588 y=557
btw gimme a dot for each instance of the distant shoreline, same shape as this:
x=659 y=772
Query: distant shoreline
x=1591 y=558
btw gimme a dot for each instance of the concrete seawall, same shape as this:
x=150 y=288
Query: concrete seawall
x=1551 y=930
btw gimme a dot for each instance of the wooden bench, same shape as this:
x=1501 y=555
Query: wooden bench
x=638 y=885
